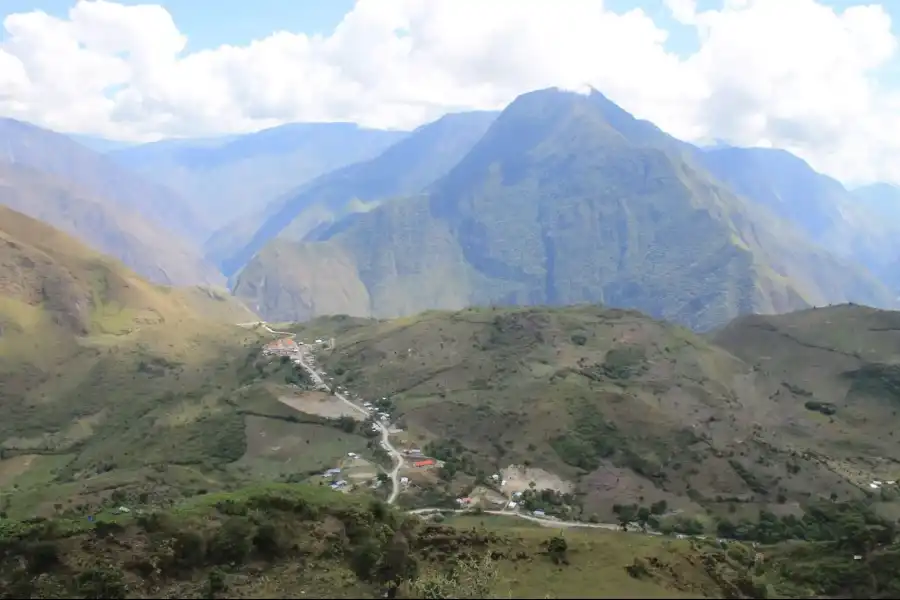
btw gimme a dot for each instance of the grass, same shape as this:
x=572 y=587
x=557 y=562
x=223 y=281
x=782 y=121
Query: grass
x=290 y=540
x=281 y=448
x=303 y=540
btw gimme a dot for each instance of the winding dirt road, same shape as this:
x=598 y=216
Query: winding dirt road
x=396 y=457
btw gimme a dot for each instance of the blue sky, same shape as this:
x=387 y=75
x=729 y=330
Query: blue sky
x=210 y=23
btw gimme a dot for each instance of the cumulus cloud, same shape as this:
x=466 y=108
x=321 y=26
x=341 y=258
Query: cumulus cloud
x=787 y=73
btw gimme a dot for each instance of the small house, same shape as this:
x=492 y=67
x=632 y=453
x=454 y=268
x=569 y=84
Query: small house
x=539 y=513
x=424 y=463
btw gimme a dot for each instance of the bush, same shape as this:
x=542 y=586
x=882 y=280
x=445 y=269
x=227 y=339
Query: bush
x=41 y=556
x=270 y=541
x=469 y=578
x=102 y=582
x=232 y=542
x=190 y=549
x=216 y=583
x=557 y=548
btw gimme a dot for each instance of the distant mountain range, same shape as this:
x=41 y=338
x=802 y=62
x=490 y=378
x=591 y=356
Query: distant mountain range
x=565 y=199
x=227 y=178
x=403 y=169
x=145 y=225
x=562 y=198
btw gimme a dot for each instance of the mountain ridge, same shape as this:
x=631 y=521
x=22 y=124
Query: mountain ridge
x=105 y=226
x=58 y=155
x=403 y=168
x=226 y=178
x=529 y=216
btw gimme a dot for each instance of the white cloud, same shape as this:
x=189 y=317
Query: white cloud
x=791 y=73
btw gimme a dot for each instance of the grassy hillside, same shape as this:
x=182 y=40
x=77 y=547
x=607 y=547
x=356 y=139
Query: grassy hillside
x=112 y=229
x=227 y=179
x=569 y=199
x=61 y=157
x=835 y=374
x=622 y=408
x=298 y=541
x=114 y=387
x=308 y=541
x=405 y=168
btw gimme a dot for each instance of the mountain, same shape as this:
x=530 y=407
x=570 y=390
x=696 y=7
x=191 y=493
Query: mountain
x=565 y=199
x=819 y=206
x=882 y=202
x=226 y=178
x=405 y=168
x=106 y=226
x=58 y=155
x=881 y=199
x=99 y=144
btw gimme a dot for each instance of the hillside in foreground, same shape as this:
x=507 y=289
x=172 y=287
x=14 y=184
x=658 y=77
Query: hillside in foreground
x=111 y=384
x=297 y=541
x=617 y=408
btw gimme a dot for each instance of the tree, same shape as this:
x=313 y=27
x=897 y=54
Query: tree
x=397 y=563
x=556 y=548
x=626 y=514
x=643 y=515
x=346 y=424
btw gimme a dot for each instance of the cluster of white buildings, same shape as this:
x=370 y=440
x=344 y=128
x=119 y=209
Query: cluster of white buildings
x=336 y=482
x=876 y=485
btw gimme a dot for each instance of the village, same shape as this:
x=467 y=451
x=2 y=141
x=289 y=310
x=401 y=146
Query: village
x=515 y=491
x=415 y=469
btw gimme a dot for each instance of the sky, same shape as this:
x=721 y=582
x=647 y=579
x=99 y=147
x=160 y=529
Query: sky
x=820 y=78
